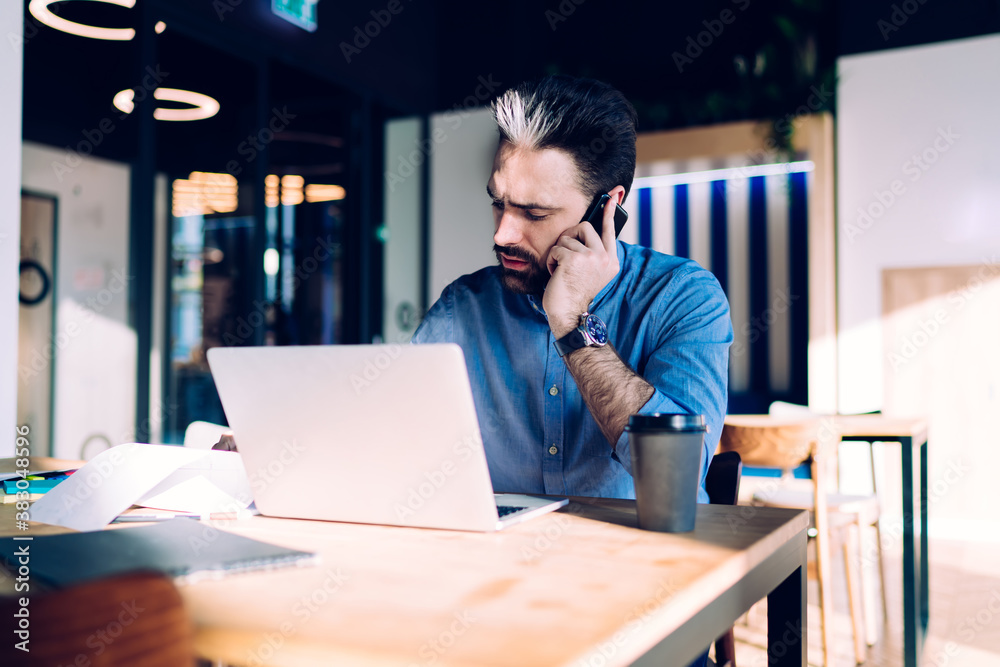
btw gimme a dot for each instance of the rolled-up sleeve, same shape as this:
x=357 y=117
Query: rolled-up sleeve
x=689 y=364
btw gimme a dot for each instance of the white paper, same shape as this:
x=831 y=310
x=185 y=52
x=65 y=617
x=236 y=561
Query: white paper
x=161 y=476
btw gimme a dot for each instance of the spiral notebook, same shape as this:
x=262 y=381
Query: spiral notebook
x=185 y=549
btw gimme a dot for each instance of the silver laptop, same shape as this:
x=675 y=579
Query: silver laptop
x=383 y=434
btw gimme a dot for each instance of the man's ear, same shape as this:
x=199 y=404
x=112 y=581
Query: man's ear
x=618 y=194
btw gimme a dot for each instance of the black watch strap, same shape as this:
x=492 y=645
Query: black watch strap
x=572 y=341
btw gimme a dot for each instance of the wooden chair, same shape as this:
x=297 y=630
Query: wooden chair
x=785 y=443
x=134 y=619
x=722 y=482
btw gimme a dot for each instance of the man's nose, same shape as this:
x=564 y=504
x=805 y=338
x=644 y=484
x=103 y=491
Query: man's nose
x=508 y=230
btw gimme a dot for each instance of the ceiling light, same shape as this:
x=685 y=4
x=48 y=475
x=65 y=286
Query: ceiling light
x=271 y=191
x=272 y=262
x=160 y=27
x=320 y=192
x=40 y=10
x=202 y=106
x=204 y=193
x=291 y=189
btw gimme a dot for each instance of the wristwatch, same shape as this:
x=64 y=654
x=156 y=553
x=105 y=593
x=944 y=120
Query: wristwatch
x=592 y=332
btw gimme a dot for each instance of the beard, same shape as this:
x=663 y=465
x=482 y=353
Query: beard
x=530 y=280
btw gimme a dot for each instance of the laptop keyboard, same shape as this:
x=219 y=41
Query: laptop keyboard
x=504 y=510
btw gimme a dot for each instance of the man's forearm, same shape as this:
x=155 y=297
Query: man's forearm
x=609 y=387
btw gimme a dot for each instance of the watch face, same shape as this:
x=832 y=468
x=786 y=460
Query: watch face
x=596 y=330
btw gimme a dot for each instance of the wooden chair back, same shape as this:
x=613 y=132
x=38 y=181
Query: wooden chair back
x=773 y=442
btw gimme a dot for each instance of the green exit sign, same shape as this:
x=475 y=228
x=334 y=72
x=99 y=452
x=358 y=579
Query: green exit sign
x=300 y=12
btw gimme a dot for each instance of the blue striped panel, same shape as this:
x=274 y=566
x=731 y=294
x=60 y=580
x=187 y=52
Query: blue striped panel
x=758 y=339
x=646 y=217
x=682 y=245
x=798 y=278
x=720 y=234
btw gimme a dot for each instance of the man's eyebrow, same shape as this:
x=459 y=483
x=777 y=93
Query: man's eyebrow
x=524 y=207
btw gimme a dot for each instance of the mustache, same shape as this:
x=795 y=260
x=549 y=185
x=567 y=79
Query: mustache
x=514 y=252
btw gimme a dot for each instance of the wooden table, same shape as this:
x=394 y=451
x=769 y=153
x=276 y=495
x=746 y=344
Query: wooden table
x=580 y=587
x=911 y=434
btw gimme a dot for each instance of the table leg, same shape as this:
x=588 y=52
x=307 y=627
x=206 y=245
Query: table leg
x=912 y=586
x=925 y=609
x=786 y=620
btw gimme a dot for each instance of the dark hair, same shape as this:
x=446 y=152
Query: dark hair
x=588 y=119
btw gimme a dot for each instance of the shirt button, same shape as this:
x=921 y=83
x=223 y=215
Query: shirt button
x=553 y=450
x=553 y=390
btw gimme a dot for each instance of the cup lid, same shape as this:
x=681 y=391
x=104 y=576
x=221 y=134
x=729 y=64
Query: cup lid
x=667 y=422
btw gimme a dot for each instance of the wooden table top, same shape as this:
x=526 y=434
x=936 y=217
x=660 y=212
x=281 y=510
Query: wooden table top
x=882 y=425
x=548 y=591
x=847 y=425
x=539 y=593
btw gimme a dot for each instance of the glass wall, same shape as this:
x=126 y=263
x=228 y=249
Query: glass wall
x=253 y=231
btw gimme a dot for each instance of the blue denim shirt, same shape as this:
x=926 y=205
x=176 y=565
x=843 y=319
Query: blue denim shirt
x=669 y=321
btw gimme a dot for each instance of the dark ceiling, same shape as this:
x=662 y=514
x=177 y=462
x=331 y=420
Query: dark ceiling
x=680 y=63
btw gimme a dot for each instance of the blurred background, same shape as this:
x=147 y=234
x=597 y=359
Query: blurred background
x=183 y=174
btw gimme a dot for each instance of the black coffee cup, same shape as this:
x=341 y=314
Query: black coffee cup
x=667 y=451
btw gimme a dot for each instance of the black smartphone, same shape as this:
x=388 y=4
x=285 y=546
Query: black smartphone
x=595 y=215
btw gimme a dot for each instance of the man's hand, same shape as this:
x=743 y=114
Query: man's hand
x=226 y=443
x=581 y=263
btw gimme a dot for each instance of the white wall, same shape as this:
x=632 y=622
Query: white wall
x=95 y=348
x=11 y=66
x=402 y=192
x=940 y=100
x=461 y=230
x=918 y=141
